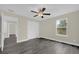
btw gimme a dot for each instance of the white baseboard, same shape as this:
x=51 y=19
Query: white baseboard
x=71 y=43
x=19 y=41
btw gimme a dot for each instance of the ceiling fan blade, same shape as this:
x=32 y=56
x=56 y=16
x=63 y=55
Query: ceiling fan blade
x=46 y=14
x=43 y=9
x=35 y=15
x=42 y=17
x=33 y=11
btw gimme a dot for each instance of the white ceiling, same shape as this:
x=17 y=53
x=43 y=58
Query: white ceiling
x=54 y=9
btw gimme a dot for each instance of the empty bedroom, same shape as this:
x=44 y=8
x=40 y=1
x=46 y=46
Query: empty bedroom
x=39 y=28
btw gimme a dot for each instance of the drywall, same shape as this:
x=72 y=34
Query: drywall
x=8 y=23
x=27 y=28
x=22 y=29
x=21 y=24
x=48 y=28
x=32 y=29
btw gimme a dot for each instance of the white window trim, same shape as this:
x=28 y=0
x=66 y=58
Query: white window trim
x=66 y=27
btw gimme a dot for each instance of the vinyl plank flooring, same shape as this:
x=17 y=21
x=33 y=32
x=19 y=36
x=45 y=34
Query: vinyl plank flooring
x=40 y=46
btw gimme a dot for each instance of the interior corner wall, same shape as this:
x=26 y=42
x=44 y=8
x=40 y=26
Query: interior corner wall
x=22 y=23
x=28 y=29
x=22 y=29
x=32 y=29
x=48 y=28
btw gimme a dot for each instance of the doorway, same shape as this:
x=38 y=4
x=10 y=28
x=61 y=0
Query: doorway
x=9 y=26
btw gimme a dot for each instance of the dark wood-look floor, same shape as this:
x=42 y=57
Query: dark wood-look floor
x=39 y=46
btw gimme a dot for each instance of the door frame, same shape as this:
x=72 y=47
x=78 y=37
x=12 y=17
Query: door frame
x=7 y=18
x=8 y=23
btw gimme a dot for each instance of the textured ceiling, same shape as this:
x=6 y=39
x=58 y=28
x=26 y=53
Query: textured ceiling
x=54 y=9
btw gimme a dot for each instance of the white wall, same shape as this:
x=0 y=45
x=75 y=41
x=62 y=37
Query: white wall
x=48 y=28
x=22 y=29
x=32 y=29
x=9 y=20
x=4 y=29
x=27 y=28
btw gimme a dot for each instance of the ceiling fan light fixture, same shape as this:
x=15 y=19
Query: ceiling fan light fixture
x=40 y=14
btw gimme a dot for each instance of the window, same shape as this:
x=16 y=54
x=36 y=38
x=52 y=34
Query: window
x=61 y=27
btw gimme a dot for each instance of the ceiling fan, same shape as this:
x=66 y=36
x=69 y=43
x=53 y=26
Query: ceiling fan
x=40 y=12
